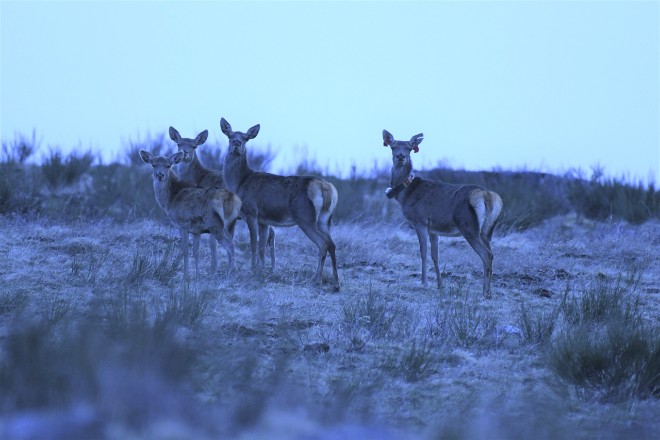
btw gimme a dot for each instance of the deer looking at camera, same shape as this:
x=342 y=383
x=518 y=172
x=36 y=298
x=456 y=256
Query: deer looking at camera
x=191 y=170
x=272 y=200
x=435 y=208
x=193 y=210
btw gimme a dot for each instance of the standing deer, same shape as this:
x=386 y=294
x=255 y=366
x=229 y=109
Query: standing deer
x=434 y=208
x=193 y=210
x=272 y=200
x=190 y=170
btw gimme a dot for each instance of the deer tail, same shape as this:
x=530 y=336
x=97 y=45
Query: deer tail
x=487 y=206
x=227 y=205
x=324 y=197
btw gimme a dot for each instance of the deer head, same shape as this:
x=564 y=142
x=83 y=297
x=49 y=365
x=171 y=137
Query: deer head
x=161 y=165
x=188 y=146
x=401 y=149
x=237 y=139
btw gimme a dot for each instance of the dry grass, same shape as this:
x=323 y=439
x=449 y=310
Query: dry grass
x=100 y=337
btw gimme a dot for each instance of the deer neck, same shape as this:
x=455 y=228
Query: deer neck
x=190 y=172
x=166 y=189
x=400 y=174
x=236 y=170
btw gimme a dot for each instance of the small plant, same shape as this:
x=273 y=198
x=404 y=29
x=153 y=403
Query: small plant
x=370 y=312
x=188 y=308
x=58 y=310
x=140 y=268
x=604 y=301
x=618 y=362
x=87 y=263
x=13 y=303
x=538 y=327
x=18 y=151
x=60 y=171
x=468 y=321
x=167 y=265
x=415 y=362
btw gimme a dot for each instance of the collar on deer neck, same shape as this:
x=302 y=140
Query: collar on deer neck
x=393 y=192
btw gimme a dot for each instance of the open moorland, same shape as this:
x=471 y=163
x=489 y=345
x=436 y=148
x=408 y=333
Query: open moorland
x=101 y=337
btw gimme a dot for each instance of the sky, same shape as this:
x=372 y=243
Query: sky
x=517 y=85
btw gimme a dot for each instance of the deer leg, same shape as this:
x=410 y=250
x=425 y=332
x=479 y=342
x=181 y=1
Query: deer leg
x=214 y=253
x=422 y=235
x=434 y=257
x=271 y=247
x=253 y=227
x=483 y=250
x=195 y=250
x=315 y=235
x=226 y=238
x=184 y=251
x=263 y=241
x=324 y=229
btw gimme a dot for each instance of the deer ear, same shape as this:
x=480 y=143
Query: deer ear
x=174 y=135
x=225 y=127
x=388 y=139
x=253 y=132
x=146 y=156
x=201 y=138
x=416 y=140
x=176 y=158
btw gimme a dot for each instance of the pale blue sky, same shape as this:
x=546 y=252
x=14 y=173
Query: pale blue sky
x=523 y=84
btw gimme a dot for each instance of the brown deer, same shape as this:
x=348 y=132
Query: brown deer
x=273 y=200
x=435 y=208
x=192 y=171
x=193 y=210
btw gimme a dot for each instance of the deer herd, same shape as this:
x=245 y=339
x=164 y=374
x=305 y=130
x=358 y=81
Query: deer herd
x=198 y=200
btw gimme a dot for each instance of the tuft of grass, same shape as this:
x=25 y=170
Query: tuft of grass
x=606 y=350
x=188 y=308
x=370 y=312
x=416 y=361
x=13 y=303
x=468 y=321
x=604 y=301
x=162 y=267
x=617 y=363
x=59 y=170
x=538 y=327
x=86 y=264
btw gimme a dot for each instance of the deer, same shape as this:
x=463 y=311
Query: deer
x=273 y=200
x=193 y=210
x=434 y=208
x=192 y=171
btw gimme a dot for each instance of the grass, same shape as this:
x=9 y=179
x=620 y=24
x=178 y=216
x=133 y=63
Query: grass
x=101 y=338
x=121 y=190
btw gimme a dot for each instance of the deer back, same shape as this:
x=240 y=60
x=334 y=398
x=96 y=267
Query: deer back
x=442 y=206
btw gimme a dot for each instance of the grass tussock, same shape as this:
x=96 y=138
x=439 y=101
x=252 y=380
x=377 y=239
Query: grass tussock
x=606 y=350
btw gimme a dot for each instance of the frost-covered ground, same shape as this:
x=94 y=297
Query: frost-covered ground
x=101 y=338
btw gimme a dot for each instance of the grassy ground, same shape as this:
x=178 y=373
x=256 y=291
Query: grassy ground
x=100 y=336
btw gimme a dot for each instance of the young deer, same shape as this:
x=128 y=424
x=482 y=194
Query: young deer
x=434 y=208
x=272 y=200
x=190 y=170
x=193 y=210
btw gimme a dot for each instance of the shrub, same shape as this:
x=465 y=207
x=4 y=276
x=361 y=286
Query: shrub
x=370 y=312
x=13 y=303
x=605 y=300
x=620 y=361
x=468 y=321
x=600 y=199
x=60 y=171
x=415 y=362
